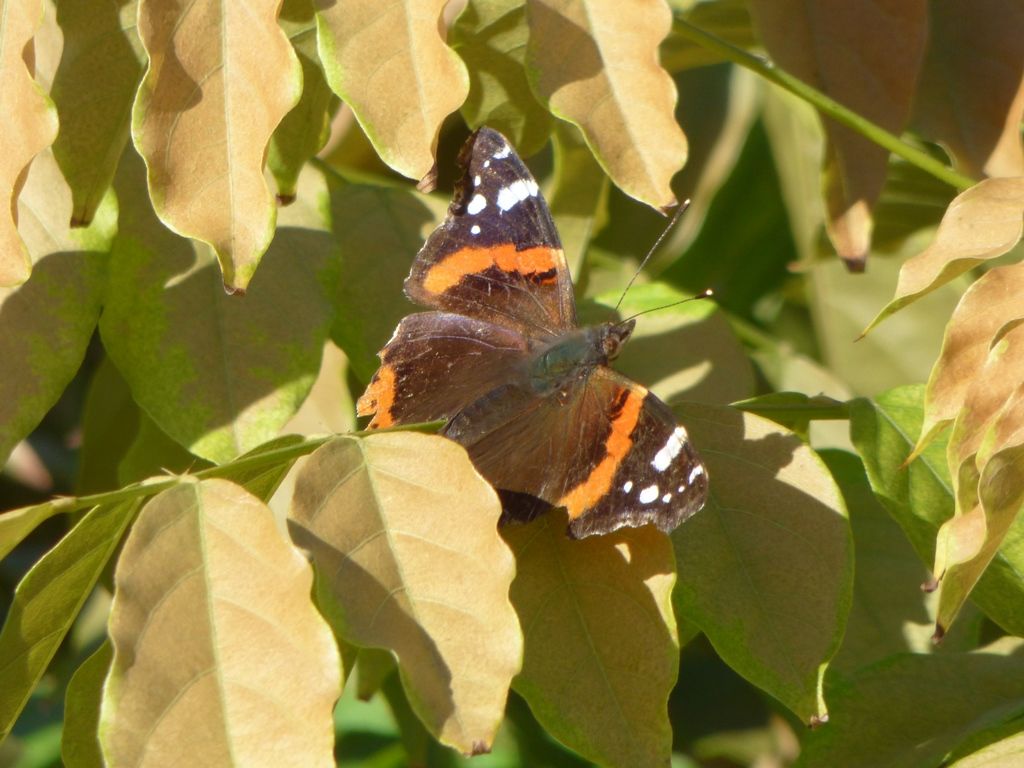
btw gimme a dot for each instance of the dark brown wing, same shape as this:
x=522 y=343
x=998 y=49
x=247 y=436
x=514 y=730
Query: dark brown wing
x=497 y=255
x=607 y=450
x=435 y=364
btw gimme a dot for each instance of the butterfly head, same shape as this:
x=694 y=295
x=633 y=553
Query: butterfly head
x=614 y=335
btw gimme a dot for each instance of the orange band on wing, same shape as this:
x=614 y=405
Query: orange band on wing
x=378 y=398
x=589 y=492
x=449 y=272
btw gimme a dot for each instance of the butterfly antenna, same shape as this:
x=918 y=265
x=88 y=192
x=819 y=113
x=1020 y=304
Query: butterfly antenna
x=675 y=217
x=705 y=294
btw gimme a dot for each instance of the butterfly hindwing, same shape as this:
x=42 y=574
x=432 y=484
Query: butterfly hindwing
x=497 y=255
x=605 y=449
x=435 y=363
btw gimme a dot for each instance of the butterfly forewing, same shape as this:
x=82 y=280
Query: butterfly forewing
x=497 y=255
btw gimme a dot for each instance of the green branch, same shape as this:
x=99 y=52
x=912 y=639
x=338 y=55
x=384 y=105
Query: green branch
x=264 y=460
x=825 y=104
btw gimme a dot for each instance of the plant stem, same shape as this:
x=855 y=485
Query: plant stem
x=828 y=106
x=271 y=458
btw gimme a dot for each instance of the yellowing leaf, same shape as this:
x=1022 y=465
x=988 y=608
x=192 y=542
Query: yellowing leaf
x=766 y=568
x=28 y=124
x=93 y=89
x=220 y=393
x=46 y=323
x=220 y=657
x=390 y=64
x=865 y=54
x=491 y=37
x=599 y=70
x=971 y=95
x=403 y=532
x=989 y=304
x=220 y=78
x=983 y=222
x=601 y=645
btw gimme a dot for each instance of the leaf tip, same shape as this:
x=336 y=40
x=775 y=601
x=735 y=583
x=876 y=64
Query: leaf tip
x=856 y=264
x=931 y=585
x=940 y=632
x=285 y=199
x=429 y=181
x=480 y=748
x=817 y=721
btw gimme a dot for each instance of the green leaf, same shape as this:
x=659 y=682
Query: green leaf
x=219 y=374
x=911 y=710
x=686 y=352
x=601 y=651
x=379 y=229
x=153 y=452
x=490 y=36
x=766 y=568
x=16 y=524
x=920 y=496
x=94 y=88
x=842 y=305
x=47 y=601
x=890 y=614
x=304 y=131
x=110 y=424
x=579 y=195
x=402 y=530
x=80 y=744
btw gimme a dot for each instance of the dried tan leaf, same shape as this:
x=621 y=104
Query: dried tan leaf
x=403 y=533
x=601 y=646
x=986 y=460
x=972 y=541
x=390 y=64
x=28 y=124
x=971 y=94
x=983 y=222
x=988 y=305
x=990 y=389
x=599 y=69
x=221 y=77
x=220 y=658
x=866 y=55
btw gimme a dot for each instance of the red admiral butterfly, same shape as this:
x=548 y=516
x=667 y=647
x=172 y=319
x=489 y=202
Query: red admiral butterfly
x=524 y=389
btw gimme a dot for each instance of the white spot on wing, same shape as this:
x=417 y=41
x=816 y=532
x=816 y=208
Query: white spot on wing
x=516 y=192
x=695 y=473
x=667 y=498
x=671 y=449
x=477 y=204
x=648 y=494
x=475 y=229
x=628 y=486
x=476 y=180
x=502 y=153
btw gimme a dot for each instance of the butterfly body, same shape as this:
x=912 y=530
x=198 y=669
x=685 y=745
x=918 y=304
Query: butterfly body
x=527 y=391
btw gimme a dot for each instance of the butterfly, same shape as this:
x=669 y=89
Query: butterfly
x=526 y=390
